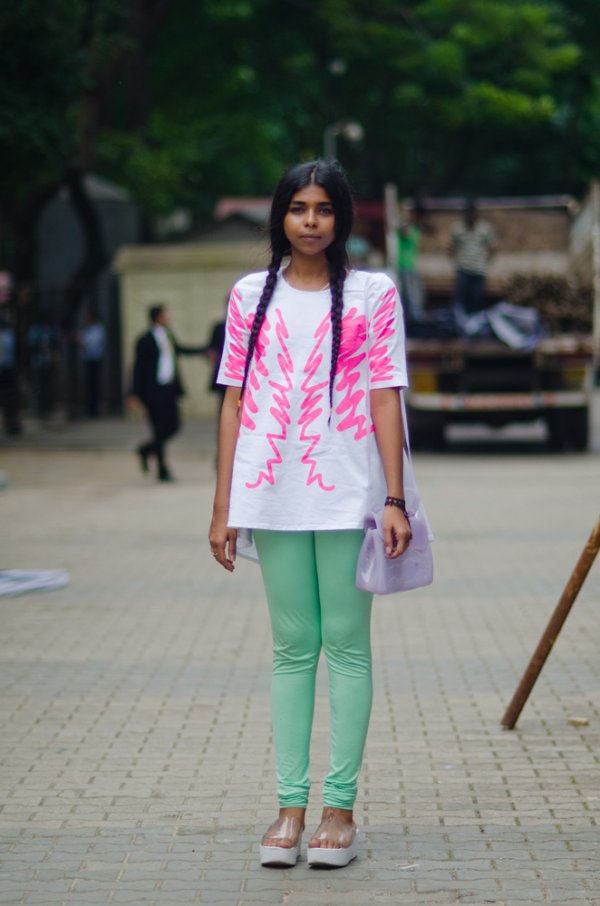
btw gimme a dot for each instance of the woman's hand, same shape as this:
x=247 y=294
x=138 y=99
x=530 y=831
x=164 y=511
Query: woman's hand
x=386 y=410
x=396 y=531
x=134 y=404
x=223 y=542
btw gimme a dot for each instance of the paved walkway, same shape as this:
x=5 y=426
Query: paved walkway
x=136 y=764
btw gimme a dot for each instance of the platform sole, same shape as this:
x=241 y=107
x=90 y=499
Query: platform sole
x=324 y=857
x=280 y=856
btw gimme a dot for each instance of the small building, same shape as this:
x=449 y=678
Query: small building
x=193 y=279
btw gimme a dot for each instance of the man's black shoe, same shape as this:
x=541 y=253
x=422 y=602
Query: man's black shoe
x=143 y=455
x=165 y=475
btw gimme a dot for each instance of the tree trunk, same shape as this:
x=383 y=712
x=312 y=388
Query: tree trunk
x=94 y=258
x=83 y=281
x=22 y=223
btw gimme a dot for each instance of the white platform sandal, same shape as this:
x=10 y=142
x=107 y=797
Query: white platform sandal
x=333 y=857
x=282 y=856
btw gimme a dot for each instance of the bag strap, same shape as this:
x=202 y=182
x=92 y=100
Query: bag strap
x=405 y=426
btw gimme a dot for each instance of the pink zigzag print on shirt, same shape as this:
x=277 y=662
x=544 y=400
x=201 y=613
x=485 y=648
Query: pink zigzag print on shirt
x=257 y=368
x=281 y=406
x=235 y=363
x=310 y=406
x=380 y=364
x=354 y=335
x=236 y=358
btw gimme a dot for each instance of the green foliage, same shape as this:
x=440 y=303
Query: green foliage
x=467 y=78
x=40 y=84
x=454 y=95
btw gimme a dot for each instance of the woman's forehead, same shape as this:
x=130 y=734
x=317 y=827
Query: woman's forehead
x=311 y=194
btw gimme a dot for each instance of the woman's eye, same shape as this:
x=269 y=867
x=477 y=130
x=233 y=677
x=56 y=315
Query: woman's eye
x=326 y=211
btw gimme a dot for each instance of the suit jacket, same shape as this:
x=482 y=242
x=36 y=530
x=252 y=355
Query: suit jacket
x=217 y=342
x=145 y=368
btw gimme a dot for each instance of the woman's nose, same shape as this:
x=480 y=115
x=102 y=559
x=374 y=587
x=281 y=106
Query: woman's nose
x=311 y=216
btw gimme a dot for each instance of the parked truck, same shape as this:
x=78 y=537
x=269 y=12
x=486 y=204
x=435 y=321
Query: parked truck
x=462 y=380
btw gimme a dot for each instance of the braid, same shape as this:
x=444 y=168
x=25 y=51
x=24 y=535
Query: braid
x=260 y=313
x=337 y=275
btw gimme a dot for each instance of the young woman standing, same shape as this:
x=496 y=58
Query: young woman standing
x=311 y=440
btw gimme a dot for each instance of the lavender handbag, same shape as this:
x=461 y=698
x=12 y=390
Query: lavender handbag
x=414 y=568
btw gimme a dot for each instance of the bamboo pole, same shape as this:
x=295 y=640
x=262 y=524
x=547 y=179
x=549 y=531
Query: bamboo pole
x=390 y=202
x=572 y=588
x=596 y=269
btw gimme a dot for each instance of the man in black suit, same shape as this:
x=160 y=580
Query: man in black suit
x=156 y=384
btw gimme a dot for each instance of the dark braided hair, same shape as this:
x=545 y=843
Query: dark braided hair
x=330 y=176
x=261 y=310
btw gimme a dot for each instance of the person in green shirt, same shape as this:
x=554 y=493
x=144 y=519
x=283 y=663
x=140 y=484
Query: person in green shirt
x=411 y=229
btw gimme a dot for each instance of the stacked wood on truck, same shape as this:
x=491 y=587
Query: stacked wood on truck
x=564 y=303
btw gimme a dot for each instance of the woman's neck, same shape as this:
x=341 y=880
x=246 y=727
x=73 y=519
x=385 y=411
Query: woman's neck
x=307 y=273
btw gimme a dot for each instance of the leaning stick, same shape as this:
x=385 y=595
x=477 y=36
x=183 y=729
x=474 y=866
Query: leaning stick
x=553 y=628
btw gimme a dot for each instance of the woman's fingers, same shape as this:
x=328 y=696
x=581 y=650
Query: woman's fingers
x=396 y=534
x=223 y=547
x=219 y=552
x=232 y=545
x=226 y=562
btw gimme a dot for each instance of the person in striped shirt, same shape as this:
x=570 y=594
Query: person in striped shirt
x=472 y=245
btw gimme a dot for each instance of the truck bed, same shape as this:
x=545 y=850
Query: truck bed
x=486 y=381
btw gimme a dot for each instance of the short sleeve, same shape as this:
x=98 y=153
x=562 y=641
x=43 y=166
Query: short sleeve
x=387 y=353
x=237 y=332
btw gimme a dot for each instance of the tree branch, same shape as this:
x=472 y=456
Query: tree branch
x=94 y=257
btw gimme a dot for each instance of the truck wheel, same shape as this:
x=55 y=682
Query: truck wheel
x=579 y=429
x=430 y=438
x=568 y=428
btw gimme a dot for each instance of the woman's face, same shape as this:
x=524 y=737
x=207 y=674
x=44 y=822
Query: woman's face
x=309 y=224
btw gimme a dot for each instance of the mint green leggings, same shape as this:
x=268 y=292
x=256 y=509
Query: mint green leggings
x=314 y=603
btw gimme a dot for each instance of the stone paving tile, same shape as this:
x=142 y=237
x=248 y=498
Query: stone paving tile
x=135 y=755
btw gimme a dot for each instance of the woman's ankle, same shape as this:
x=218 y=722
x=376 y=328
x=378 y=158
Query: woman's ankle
x=331 y=812
x=287 y=828
x=293 y=811
x=337 y=829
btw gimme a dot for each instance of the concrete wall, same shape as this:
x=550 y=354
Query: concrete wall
x=193 y=280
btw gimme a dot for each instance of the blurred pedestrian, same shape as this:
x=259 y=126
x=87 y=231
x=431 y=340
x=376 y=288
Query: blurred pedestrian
x=472 y=245
x=412 y=226
x=359 y=247
x=9 y=402
x=311 y=435
x=214 y=352
x=42 y=341
x=157 y=385
x=92 y=340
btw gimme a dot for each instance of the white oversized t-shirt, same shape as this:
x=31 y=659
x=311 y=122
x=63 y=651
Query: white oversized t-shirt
x=295 y=468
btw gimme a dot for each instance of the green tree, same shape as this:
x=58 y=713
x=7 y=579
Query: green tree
x=236 y=90
x=455 y=96
x=184 y=102
x=37 y=94
x=464 y=89
x=61 y=62
x=579 y=111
